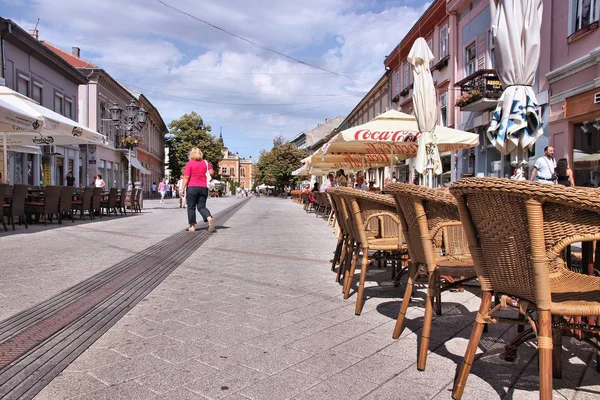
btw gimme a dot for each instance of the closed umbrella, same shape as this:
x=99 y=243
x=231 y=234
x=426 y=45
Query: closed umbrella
x=425 y=106
x=516 y=122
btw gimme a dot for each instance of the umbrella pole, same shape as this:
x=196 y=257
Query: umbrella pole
x=5 y=157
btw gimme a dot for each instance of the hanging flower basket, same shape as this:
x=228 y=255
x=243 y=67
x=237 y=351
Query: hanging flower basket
x=130 y=142
x=468 y=97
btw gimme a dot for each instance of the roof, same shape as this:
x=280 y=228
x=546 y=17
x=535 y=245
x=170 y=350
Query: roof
x=16 y=35
x=68 y=57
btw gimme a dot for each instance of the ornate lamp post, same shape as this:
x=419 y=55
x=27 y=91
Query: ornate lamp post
x=133 y=119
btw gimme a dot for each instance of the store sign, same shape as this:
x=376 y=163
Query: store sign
x=493 y=84
x=583 y=103
x=47 y=174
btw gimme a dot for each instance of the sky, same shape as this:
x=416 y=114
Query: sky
x=254 y=69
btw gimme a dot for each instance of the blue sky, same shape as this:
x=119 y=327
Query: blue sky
x=253 y=95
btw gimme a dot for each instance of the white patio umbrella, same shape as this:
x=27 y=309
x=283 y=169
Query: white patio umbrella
x=516 y=122
x=426 y=112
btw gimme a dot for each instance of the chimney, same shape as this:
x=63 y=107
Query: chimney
x=326 y=119
x=35 y=33
x=76 y=51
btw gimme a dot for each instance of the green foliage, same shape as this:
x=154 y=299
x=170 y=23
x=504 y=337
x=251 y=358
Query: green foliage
x=275 y=167
x=190 y=131
x=233 y=185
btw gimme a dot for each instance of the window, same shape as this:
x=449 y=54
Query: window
x=397 y=81
x=584 y=13
x=23 y=84
x=69 y=108
x=491 y=50
x=443 y=41
x=470 y=59
x=406 y=75
x=444 y=109
x=102 y=116
x=223 y=170
x=59 y=103
x=242 y=173
x=232 y=172
x=36 y=92
x=430 y=45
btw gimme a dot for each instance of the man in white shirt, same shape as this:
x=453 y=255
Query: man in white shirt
x=327 y=184
x=543 y=169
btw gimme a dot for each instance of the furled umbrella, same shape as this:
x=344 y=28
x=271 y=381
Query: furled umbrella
x=516 y=122
x=426 y=112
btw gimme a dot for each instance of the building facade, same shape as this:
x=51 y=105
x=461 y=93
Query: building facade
x=436 y=26
x=235 y=170
x=111 y=160
x=573 y=79
x=31 y=69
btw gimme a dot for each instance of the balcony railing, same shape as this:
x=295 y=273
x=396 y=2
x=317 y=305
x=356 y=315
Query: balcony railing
x=479 y=91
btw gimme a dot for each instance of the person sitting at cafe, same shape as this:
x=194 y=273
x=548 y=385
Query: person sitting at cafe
x=361 y=184
x=328 y=183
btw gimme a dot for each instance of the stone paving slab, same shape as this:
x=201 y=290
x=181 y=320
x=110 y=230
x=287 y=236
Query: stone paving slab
x=255 y=314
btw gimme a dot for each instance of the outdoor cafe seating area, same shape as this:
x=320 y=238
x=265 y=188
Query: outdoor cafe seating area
x=509 y=242
x=25 y=204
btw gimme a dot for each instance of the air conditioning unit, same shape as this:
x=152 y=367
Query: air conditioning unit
x=596 y=98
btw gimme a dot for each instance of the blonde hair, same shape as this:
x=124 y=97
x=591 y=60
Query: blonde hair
x=196 y=154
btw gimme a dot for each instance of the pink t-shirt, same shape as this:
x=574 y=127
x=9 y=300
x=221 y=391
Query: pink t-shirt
x=196 y=171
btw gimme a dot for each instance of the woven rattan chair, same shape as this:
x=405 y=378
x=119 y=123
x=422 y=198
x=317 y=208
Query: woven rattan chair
x=435 y=239
x=96 y=199
x=65 y=206
x=138 y=201
x=346 y=243
x=130 y=200
x=121 y=199
x=46 y=205
x=3 y=190
x=84 y=203
x=376 y=227
x=517 y=232
x=110 y=202
x=15 y=207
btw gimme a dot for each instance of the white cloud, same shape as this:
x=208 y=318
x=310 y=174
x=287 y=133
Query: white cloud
x=173 y=58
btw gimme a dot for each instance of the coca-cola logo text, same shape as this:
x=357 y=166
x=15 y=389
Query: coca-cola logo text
x=386 y=136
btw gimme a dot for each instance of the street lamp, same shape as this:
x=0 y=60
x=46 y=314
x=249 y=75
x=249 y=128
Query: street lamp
x=133 y=118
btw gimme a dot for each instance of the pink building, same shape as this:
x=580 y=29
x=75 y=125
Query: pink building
x=570 y=66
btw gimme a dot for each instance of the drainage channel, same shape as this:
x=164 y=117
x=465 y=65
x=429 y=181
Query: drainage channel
x=37 y=344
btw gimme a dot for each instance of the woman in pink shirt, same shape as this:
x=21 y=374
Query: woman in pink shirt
x=195 y=187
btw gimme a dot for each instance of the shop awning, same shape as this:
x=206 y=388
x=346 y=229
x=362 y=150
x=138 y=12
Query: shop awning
x=26 y=149
x=137 y=165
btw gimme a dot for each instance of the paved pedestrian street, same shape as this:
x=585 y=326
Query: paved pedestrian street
x=249 y=312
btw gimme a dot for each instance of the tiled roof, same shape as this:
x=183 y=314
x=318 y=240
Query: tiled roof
x=68 y=57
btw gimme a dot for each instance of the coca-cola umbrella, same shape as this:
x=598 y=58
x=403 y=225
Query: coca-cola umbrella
x=396 y=135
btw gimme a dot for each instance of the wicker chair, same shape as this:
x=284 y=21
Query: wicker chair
x=435 y=239
x=84 y=203
x=96 y=199
x=110 y=202
x=346 y=244
x=121 y=199
x=65 y=206
x=3 y=190
x=130 y=200
x=46 y=205
x=376 y=227
x=15 y=208
x=517 y=234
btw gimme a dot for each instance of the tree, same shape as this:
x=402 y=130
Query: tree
x=275 y=167
x=190 y=131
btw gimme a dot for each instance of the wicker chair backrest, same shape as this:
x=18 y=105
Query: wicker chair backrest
x=431 y=222
x=518 y=229
x=66 y=198
x=96 y=197
x=51 y=199
x=19 y=193
x=122 y=198
x=3 y=190
x=341 y=213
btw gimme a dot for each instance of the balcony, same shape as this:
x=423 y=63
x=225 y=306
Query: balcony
x=479 y=91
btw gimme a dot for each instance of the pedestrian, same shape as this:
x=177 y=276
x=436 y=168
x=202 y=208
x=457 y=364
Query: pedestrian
x=564 y=174
x=168 y=189
x=182 y=203
x=99 y=182
x=70 y=179
x=543 y=169
x=153 y=190
x=195 y=186
x=162 y=189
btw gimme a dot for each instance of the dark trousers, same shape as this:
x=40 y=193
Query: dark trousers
x=196 y=198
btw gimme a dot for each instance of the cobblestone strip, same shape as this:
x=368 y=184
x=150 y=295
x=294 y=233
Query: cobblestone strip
x=36 y=354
